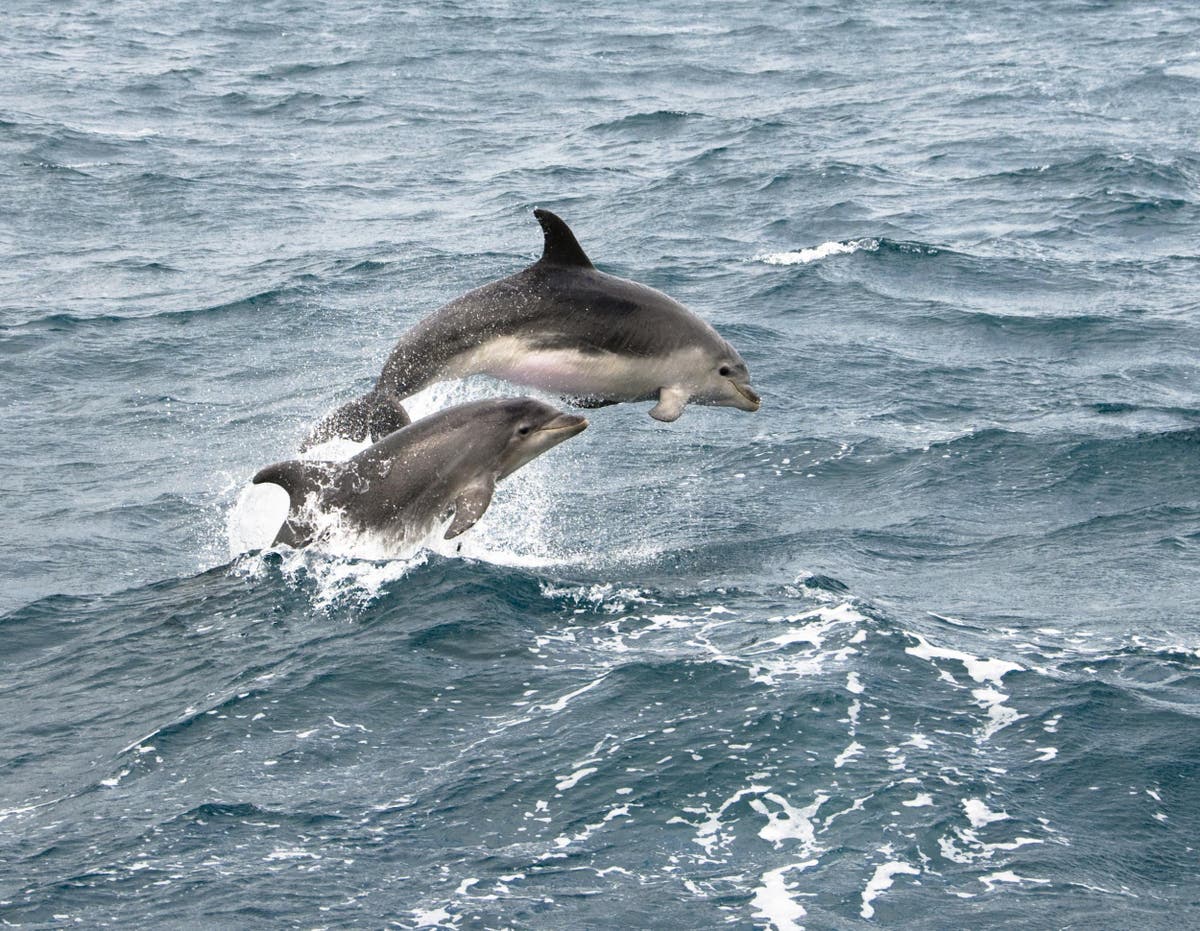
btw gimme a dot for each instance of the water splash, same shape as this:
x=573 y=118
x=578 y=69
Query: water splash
x=522 y=527
x=826 y=249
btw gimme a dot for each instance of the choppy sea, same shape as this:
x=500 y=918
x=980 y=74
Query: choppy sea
x=917 y=645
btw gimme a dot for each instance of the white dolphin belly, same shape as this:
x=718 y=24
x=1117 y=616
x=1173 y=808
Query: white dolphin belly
x=606 y=375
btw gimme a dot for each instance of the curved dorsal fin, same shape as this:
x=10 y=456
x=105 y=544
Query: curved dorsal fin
x=561 y=246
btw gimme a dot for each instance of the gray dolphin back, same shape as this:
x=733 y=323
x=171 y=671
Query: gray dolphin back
x=561 y=301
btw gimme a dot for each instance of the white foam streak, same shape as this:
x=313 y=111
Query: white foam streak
x=989 y=673
x=291 y=853
x=561 y=703
x=999 y=714
x=433 y=918
x=780 y=655
x=1008 y=876
x=6 y=813
x=790 y=823
x=885 y=875
x=981 y=670
x=773 y=902
x=569 y=782
x=980 y=815
x=816 y=253
x=848 y=754
x=708 y=834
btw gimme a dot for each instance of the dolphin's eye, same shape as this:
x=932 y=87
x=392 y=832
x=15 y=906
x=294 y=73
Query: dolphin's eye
x=524 y=431
x=725 y=371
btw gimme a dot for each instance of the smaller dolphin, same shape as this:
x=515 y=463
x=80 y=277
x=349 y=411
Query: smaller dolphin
x=563 y=326
x=415 y=477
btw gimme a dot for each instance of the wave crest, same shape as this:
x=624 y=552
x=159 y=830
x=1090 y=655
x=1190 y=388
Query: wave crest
x=816 y=253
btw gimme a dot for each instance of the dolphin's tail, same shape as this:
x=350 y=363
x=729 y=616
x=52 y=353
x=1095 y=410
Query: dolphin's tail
x=374 y=415
x=298 y=479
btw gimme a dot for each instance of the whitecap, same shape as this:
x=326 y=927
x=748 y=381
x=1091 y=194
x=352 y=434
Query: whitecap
x=826 y=249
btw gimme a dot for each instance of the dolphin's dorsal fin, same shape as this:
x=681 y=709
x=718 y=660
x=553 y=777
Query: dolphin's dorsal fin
x=297 y=477
x=561 y=246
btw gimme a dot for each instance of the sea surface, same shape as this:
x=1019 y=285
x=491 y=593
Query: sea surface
x=917 y=645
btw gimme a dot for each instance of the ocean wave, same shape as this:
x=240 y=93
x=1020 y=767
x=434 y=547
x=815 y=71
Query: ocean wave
x=304 y=69
x=816 y=253
x=1106 y=447
x=62 y=320
x=657 y=120
x=1142 y=444
x=1105 y=171
x=297 y=103
x=615 y=728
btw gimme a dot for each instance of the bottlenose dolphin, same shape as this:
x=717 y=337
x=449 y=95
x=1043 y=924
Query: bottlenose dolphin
x=415 y=477
x=563 y=326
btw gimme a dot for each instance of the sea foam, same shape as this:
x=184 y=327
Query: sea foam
x=816 y=253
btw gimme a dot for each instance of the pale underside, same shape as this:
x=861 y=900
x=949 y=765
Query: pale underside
x=569 y=372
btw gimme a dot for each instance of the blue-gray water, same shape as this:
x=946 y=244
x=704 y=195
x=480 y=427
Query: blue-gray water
x=916 y=645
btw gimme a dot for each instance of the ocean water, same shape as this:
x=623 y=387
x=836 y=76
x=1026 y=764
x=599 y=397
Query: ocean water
x=917 y=645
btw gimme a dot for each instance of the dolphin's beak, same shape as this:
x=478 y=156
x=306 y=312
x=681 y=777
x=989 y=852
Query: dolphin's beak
x=567 y=424
x=753 y=401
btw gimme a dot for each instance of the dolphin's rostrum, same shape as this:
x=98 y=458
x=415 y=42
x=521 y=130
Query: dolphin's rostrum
x=562 y=326
x=402 y=486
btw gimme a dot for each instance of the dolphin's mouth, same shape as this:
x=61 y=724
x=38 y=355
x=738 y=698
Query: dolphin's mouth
x=570 y=424
x=749 y=394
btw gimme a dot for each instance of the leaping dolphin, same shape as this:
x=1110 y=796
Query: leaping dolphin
x=562 y=326
x=402 y=486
